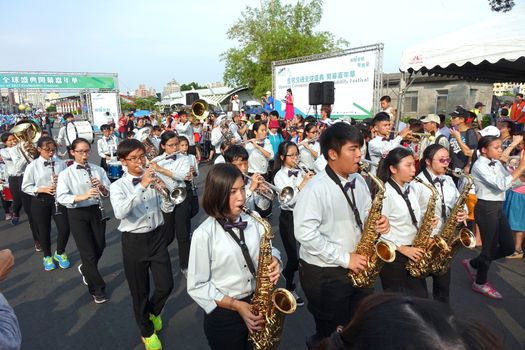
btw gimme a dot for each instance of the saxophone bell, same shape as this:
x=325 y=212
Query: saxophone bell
x=467 y=238
x=386 y=251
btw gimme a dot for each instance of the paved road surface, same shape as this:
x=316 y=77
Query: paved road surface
x=56 y=312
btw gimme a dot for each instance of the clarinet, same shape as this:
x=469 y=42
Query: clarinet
x=54 y=184
x=103 y=215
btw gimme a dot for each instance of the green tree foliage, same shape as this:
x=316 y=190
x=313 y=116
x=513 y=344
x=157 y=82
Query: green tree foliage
x=274 y=32
x=191 y=86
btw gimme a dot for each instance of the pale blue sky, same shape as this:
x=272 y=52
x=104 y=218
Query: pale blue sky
x=152 y=41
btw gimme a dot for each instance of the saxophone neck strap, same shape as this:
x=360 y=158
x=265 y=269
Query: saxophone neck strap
x=405 y=198
x=242 y=244
x=443 y=206
x=352 y=204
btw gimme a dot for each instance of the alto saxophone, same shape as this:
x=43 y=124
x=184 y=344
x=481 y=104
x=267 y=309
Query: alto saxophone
x=449 y=239
x=377 y=252
x=421 y=268
x=272 y=304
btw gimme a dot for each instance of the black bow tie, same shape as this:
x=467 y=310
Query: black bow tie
x=241 y=225
x=311 y=142
x=492 y=163
x=293 y=173
x=349 y=185
x=48 y=163
x=407 y=192
x=81 y=167
x=246 y=181
x=439 y=180
x=261 y=144
x=172 y=157
x=136 y=180
x=385 y=139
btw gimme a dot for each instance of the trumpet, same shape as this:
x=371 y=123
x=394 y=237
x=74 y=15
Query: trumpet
x=284 y=195
x=176 y=196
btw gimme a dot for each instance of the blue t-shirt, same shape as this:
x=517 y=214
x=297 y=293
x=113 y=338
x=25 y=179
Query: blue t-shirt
x=275 y=140
x=269 y=104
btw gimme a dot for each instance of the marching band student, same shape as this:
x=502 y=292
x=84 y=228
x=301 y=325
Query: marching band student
x=185 y=128
x=259 y=150
x=238 y=156
x=6 y=197
x=15 y=164
x=492 y=181
x=106 y=146
x=380 y=145
x=139 y=208
x=155 y=137
x=288 y=175
x=309 y=148
x=173 y=170
x=220 y=157
x=328 y=221
x=434 y=164
x=401 y=207
x=39 y=182
x=79 y=188
x=62 y=138
x=223 y=261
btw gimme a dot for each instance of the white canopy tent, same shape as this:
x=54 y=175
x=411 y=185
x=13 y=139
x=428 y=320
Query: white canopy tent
x=491 y=51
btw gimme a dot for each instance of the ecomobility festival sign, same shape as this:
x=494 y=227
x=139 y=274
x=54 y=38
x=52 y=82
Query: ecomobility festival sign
x=30 y=80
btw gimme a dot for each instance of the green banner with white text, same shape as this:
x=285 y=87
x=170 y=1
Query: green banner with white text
x=56 y=81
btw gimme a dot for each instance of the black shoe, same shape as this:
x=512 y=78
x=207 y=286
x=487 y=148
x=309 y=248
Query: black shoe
x=38 y=247
x=100 y=299
x=298 y=299
x=312 y=341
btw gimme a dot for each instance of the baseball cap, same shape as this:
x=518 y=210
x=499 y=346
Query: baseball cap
x=479 y=104
x=431 y=118
x=268 y=92
x=489 y=131
x=460 y=112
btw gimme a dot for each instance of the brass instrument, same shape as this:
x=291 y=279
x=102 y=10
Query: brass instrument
x=449 y=239
x=27 y=132
x=54 y=185
x=143 y=135
x=269 y=302
x=421 y=268
x=199 y=110
x=103 y=216
x=177 y=195
x=376 y=251
x=416 y=137
x=284 y=195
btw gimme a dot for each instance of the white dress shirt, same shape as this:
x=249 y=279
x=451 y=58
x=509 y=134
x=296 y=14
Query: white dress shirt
x=186 y=130
x=379 y=148
x=430 y=140
x=73 y=182
x=179 y=168
x=137 y=208
x=62 y=138
x=14 y=160
x=192 y=161
x=216 y=139
x=254 y=197
x=107 y=146
x=402 y=230
x=39 y=174
x=282 y=180
x=257 y=162
x=491 y=181
x=216 y=265
x=449 y=196
x=320 y=164
x=219 y=160
x=306 y=156
x=324 y=223
x=155 y=140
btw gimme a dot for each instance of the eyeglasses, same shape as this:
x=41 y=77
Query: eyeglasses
x=49 y=149
x=292 y=155
x=444 y=160
x=171 y=145
x=82 y=152
x=135 y=159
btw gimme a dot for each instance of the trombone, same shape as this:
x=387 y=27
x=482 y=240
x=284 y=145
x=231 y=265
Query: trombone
x=284 y=195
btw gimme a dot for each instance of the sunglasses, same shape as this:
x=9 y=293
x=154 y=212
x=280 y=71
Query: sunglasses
x=444 y=160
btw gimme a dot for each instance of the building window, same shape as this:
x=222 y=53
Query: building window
x=441 y=101
x=410 y=101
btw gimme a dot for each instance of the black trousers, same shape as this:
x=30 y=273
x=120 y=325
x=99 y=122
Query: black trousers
x=495 y=234
x=225 y=330
x=183 y=229
x=43 y=208
x=441 y=287
x=90 y=236
x=395 y=278
x=168 y=229
x=21 y=199
x=142 y=253
x=192 y=150
x=331 y=297
x=290 y=247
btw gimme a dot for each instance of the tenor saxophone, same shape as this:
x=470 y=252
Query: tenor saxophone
x=421 y=268
x=272 y=304
x=376 y=251
x=449 y=238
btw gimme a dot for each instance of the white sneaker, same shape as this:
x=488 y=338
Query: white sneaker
x=81 y=274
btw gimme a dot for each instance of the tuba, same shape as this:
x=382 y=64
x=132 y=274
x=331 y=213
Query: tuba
x=143 y=136
x=272 y=304
x=449 y=239
x=370 y=246
x=421 y=268
x=27 y=132
x=199 y=110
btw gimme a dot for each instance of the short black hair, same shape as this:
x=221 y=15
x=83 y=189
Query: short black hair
x=392 y=159
x=44 y=140
x=156 y=128
x=504 y=112
x=77 y=141
x=485 y=141
x=104 y=127
x=520 y=95
x=337 y=135
x=5 y=136
x=68 y=115
x=217 y=188
x=182 y=112
x=127 y=146
x=429 y=154
x=264 y=113
x=235 y=152
x=164 y=138
x=386 y=98
x=380 y=117
x=274 y=114
x=183 y=138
